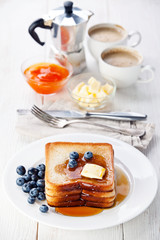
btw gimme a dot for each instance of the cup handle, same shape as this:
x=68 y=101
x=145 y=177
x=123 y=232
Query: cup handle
x=131 y=34
x=149 y=69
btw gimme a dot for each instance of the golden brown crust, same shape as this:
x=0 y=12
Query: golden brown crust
x=97 y=187
x=99 y=194
x=50 y=192
x=67 y=204
x=97 y=199
x=77 y=143
x=80 y=185
x=63 y=199
x=99 y=205
x=69 y=186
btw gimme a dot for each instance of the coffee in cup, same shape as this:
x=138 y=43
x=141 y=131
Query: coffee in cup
x=106 y=35
x=121 y=58
x=124 y=65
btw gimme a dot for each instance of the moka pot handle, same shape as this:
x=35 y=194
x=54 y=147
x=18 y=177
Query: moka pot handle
x=42 y=24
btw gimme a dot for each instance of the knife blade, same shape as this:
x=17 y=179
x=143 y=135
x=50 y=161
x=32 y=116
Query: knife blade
x=124 y=116
x=55 y=113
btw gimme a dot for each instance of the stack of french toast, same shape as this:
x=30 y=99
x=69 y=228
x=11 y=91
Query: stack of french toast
x=87 y=182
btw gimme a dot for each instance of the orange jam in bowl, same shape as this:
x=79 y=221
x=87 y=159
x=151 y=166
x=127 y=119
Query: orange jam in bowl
x=47 y=77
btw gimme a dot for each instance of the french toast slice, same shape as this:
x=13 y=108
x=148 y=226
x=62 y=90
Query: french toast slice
x=54 y=193
x=62 y=183
x=99 y=194
x=99 y=204
x=79 y=191
x=81 y=203
x=80 y=197
x=64 y=199
x=97 y=199
x=66 y=204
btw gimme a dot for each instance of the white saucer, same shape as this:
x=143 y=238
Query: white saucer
x=142 y=177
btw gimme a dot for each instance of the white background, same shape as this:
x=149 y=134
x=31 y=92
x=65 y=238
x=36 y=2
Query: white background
x=16 y=45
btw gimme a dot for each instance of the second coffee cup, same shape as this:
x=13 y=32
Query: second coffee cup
x=106 y=35
x=124 y=65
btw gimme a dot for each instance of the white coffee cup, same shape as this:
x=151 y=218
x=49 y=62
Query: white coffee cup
x=124 y=76
x=96 y=46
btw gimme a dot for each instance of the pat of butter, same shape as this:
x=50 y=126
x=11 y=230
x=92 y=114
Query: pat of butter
x=91 y=95
x=84 y=91
x=107 y=88
x=93 y=171
x=94 y=84
x=101 y=94
x=77 y=89
x=79 y=86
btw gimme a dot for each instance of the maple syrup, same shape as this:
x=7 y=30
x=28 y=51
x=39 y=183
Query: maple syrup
x=78 y=211
x=122 y=186
x=122 y=190
x=75 y=173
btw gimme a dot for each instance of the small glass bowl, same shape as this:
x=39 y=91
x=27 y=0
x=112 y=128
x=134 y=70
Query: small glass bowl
x=46 y=87
x=89 y=103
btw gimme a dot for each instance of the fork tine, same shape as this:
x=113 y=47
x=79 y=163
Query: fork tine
x=48 y=116
x=42 y=118
x=39 y=116
x=41 y=112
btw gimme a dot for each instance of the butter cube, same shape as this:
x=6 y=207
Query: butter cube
x=101 y=93
x=78 y=87
x=84 y=91
x=108 y=89
x=94 y=84
x=76 y=90
x=91 y=80
x=92 y=98
x=93 y=171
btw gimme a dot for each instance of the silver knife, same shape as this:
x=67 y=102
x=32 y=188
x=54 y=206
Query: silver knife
x=124 y=116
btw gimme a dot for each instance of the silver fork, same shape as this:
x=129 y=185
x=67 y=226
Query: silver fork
x=61 y=123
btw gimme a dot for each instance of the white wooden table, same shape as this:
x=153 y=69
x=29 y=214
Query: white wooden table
x=16 y=45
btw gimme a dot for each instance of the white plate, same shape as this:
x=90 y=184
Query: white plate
x=142 y=177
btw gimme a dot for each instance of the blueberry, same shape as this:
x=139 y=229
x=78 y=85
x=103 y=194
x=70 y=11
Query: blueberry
x=31 y=200
x=41 y=196
x=43 y=208
x=74 y=155
x=26 y=187
x=41 y=174
x=41 y=167
x=88 y=155
x=21 y=170
x=33 y=184
x=72 y=163
x=34 y=177
x=40 y=189
x=40 y=183
x=32 y=171
x=27 y=177
x=33 y=192
x=20 y=181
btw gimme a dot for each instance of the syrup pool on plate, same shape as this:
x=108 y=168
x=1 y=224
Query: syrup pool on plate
x=122 y=190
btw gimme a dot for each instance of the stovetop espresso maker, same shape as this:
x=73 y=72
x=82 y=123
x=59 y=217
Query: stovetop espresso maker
x=67 y=25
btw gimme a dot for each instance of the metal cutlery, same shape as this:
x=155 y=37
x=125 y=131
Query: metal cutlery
x=61 y=123
x=124 y=116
